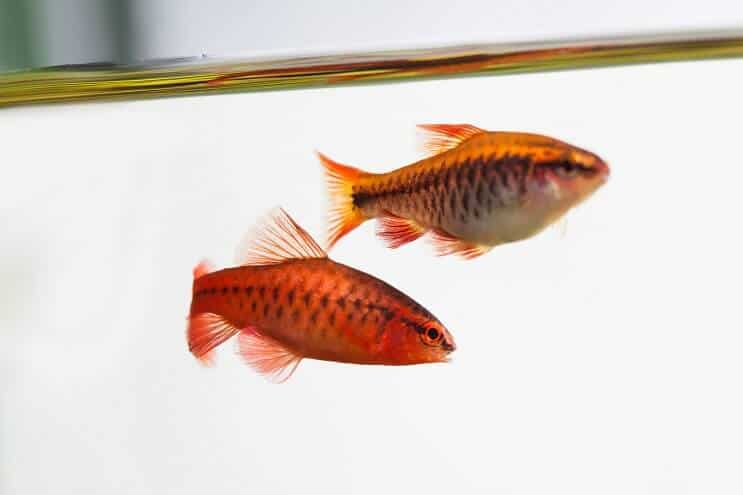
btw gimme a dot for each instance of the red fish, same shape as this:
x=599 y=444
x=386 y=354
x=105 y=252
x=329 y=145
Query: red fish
x=288 y=301
x=479 y=189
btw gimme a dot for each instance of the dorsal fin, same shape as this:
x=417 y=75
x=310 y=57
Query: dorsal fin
x=438 y=138
x=275 y=239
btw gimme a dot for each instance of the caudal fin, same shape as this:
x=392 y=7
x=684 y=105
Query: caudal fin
x=343 y=216
x=206 y=330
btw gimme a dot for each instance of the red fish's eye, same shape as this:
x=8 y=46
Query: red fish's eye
x=431 y=336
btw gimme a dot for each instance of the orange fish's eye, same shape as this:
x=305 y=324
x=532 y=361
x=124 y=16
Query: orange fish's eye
x=567 y=169
x=431 y=335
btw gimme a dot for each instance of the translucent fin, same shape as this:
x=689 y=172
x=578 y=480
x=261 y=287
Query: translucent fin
x=438 y=138
x=205 y=332
x=275 y=239
x=343 y=216
x=397 y=231
x=202 y=269
x=266 y=355
x=446 y=244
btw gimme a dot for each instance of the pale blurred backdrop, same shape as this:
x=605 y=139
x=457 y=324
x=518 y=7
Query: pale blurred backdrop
x=37 y=33
x=604 y=361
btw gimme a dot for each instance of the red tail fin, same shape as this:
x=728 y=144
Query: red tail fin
x=206 y=330
x=344 y=216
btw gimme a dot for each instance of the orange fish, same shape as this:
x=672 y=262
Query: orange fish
x=289 y=301
x=478 y=189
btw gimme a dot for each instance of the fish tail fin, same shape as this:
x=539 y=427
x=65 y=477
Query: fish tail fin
x=205 y=330
x=344 y=216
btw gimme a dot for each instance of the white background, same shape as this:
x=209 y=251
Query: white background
x=607 y=361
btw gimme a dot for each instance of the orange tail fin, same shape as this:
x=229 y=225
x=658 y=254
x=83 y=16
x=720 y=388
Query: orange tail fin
x=344 y=215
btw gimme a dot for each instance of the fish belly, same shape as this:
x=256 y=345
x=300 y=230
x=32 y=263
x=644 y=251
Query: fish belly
x=499 y=226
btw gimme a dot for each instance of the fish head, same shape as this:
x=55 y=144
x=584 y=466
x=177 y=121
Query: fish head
x=571 y=174
x=426 y=340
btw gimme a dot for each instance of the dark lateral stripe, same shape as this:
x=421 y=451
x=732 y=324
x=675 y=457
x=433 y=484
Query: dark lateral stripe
x=424 y=180
x=464 y=176
x=413 y=325
x=556 y=164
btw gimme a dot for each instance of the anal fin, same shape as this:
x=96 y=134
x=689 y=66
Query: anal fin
x=397 y=231
x=266 y=355
x=445 y=244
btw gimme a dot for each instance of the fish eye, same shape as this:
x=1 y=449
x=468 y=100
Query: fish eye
x=431 y=336
x=567 y=169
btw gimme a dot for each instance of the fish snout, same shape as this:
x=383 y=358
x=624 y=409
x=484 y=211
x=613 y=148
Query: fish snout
x=604 y=171
x=448 y=345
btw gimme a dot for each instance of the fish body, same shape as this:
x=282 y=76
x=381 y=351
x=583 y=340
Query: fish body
x=479 y=189
x=287 y=304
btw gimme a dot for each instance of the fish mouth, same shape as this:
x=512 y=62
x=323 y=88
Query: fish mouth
x=448 y=347
x=605 y=171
